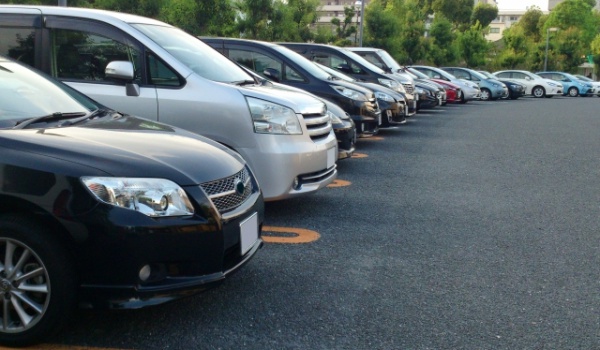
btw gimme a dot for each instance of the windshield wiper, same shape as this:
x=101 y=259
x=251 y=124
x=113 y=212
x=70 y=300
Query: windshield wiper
x=88 y=116
x=22 y=124
x=245 y=82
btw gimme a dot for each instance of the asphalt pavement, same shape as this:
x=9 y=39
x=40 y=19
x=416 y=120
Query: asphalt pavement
x=473 y=226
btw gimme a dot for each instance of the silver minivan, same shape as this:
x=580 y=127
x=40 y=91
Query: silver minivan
x=145 y=67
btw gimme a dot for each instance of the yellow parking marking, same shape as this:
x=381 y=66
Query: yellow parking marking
x=292 y=235
x=359 y=155
x=372 y=138
x=339 y=183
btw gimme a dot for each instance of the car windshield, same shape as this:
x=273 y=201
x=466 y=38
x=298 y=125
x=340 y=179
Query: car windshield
x=196 y=55
x=479 y=75
x=389 y=60
x=303 y=62
x=487 y=74
x=25 y=94
x=360 y=60
x=335 y=73
x=535 y=76
x=417 y=73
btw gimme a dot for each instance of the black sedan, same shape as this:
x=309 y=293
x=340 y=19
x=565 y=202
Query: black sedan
x=105 y=210
x=515 y=89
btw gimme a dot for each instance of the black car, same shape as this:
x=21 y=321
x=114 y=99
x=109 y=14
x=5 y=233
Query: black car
x=392 y=104
x=436 y=94
x=352 y=64
x=515 y=89
x=105 y=210
x=287 y=67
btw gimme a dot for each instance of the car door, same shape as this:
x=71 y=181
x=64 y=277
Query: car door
x=77 y=52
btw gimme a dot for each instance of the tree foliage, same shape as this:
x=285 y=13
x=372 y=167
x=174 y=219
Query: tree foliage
x=473 y=46
x=484 y=14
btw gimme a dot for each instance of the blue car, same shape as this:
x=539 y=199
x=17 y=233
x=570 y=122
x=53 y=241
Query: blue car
x=491 y=88
x=572 y=86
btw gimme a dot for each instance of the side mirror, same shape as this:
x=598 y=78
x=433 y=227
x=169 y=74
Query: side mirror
x=272 y=74
x=119 y=70
x=344 y=68
x=123 y=71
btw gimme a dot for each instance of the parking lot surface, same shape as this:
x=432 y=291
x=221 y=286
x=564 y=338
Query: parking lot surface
x=471 y=227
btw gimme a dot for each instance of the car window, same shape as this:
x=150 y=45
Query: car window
x=519 y=75
x=337 y=62
x=161 y=74
x=255 y=61
x=19 y=44
x=461 y=74
x=503 y=75
x=81 y=55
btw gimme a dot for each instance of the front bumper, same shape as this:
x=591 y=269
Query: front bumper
x=345 y=134
x=392 y=113
x=187 y=254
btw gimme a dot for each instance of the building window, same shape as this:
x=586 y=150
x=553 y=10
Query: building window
x=494 y=30
x=514 y=18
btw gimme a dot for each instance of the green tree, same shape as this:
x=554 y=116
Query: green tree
x=443 y=47
x=473 y=46
x=412 y=40
x=177 y=13
x=484 y=14
x=595 y=51
x=381 y=27
x=531 y=23
x=346 y=28
x=253 y=18
x=457 y=11
x=577 y=14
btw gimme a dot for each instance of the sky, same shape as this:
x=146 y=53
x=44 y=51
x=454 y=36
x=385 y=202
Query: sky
x=521 y=4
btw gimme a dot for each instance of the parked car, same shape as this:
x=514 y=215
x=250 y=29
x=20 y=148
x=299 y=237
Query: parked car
x=534 y=84
x=453 y=91
x=102 y=209
x=284 y=66
x=491 y=88
x=515 y=89
x=392 y=104
x=382 y=59
x=343 y=125
x=595 y=84
x=469 y=90
x=572 y=86
x=357 y=67
x=148 y=68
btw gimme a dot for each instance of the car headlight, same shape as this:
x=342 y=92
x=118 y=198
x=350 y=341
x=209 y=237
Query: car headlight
x=271 y=118
x=334 y=118
x=496 y=85
x=392 y=84
x=350 y=93
x=552 y=84
x=383 y=96
x=152 y=197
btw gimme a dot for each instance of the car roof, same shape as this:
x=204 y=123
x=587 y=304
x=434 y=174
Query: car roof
x=258 y=42
x=103 y=15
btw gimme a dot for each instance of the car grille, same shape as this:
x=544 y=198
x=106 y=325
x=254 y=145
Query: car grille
x=409 y=88
x=318 y=125
x=317 y=176
x=226 y=194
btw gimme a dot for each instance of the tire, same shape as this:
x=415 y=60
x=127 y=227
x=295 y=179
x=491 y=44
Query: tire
x=573 y=91
x=538 y=92
x=486 y=95
x=46 y=298
x=462 y=99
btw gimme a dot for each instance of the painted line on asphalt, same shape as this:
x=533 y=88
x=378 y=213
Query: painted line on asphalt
x=359 y=155
x=339 y=183
x=288 y=235
x=371 y=138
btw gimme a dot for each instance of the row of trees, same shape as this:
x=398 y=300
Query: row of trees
x=437 y=32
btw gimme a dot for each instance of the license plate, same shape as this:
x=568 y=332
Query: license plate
x=331 y=157
x=248 y=233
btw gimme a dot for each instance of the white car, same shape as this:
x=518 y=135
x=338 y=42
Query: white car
x=534 y=84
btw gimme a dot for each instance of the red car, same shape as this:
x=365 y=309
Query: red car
x=453 y=91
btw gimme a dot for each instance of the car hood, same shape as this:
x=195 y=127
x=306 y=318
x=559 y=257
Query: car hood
x=446 y=83
x=380 y=88
x=130 y=147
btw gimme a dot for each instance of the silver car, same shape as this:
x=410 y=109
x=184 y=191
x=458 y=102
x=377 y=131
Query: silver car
x=151 y=69
x=470 y=90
